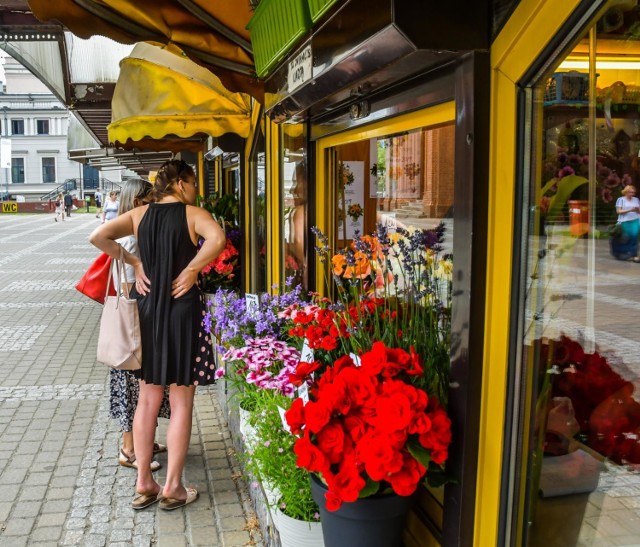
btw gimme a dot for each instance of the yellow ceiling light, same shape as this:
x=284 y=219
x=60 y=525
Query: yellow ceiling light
x=603 y=65
x=608 y=62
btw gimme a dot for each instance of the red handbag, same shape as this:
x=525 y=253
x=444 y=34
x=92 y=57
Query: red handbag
x=94 y=283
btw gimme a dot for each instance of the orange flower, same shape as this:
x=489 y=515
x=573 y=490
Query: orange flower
x=361 y=268
x=370 y=244
x=339 y=264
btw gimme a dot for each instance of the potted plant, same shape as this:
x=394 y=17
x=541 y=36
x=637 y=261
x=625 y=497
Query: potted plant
x=287 y=488
x=262 y=364
x=254 y=355
x=375 y=426
x=367 y=431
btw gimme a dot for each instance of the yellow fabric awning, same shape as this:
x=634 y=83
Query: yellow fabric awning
x=212 y=34
x=163 y=100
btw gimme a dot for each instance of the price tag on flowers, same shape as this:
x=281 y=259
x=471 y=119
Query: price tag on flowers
x=306 y=353
x=284 y=420
x=303 y=392
x=253 y=303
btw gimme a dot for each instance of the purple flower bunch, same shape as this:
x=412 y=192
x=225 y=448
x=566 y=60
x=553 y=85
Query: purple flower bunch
x=233 y=325
x=263 y=363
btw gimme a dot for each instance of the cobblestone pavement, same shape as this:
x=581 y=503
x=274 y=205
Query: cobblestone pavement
x=60 y=482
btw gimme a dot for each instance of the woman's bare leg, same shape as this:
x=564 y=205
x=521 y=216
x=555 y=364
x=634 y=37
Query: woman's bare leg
x=178 y=435
x=127 y=443
x=144 y=432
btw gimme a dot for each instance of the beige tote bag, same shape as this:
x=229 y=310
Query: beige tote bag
x=119 y=344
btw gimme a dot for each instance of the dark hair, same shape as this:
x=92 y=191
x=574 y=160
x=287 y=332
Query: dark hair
x=168 y=174
x=300 y=172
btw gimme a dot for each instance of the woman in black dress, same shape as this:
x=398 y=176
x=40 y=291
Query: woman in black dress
x=170 y=306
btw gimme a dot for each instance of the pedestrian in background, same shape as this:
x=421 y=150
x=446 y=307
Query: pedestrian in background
x=59 y=204
x=111 y=206
x=124 y=388
x=68 y=203
x=171 y=312
x=98 y=198
x=628 y=209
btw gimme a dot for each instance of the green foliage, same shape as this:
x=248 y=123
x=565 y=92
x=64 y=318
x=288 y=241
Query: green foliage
x=225 y=209
x=273 y=460
x=566 y=186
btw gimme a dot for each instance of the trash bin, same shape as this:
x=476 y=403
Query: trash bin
x=578 y=217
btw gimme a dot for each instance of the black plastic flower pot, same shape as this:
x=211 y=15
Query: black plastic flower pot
x=377 y=521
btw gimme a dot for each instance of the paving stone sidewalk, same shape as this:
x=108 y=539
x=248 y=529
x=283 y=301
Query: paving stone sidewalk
x=60 y=482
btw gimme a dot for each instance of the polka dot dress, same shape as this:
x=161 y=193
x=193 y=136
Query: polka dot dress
x=204 y=366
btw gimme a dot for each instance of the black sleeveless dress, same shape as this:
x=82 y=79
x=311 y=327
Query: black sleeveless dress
x=175 y=348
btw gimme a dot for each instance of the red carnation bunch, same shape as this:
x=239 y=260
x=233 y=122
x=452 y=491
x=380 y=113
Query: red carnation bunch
x=321 y=327
x=221 y=272
x=367 y=428
x=222 y=264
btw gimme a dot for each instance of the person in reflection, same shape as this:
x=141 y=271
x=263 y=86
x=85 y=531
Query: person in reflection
x=175 y=352
x=628 y=208
x=294 y=222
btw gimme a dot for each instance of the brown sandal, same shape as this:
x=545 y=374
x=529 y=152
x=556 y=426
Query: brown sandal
x=130 y=461
x=142 y=501
x=169 y=504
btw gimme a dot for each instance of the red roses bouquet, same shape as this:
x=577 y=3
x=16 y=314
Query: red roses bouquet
x=368 y=429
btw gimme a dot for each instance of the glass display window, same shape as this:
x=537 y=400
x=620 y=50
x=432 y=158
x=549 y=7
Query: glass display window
x=258 y=218
x=579 y=413
x=295 y=202
x=402 y=181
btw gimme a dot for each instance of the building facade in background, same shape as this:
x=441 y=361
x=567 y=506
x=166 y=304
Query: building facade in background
x=36 y=123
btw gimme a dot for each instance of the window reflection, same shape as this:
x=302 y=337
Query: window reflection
x=581 y=347
x=295 y=198
x=259 y=219
x=401 y=181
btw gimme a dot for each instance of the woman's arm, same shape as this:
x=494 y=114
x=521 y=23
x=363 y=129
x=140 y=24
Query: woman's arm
x=104 y=238
x=214 y=243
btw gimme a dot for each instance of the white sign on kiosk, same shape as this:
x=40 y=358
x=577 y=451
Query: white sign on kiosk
x=252 y=303
x=300 y=69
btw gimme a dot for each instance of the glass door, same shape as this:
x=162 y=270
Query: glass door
x=579 y=431
x=392 y=180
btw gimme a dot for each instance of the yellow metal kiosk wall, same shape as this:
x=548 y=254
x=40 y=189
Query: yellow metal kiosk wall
x=521 y=41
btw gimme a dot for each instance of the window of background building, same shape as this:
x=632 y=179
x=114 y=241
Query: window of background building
x=580 y=345
x=42 y=127
x=48 y=169
x=17 y=127
x=17 y=170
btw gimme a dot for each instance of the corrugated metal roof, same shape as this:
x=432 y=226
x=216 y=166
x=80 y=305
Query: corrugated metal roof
x=43 y=59
x=94 y=60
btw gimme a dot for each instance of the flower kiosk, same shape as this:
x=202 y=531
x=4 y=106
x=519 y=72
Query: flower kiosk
x=462 y=163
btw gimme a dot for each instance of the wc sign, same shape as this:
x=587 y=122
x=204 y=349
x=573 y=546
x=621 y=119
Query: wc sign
x=9 y=207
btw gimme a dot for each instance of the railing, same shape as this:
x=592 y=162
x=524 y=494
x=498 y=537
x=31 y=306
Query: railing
x=68 y=185
x=105 y=185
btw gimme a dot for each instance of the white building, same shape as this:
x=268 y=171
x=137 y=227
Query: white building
x=37 y=125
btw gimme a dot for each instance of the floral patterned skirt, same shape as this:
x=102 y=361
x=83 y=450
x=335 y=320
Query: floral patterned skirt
x=123 y=399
